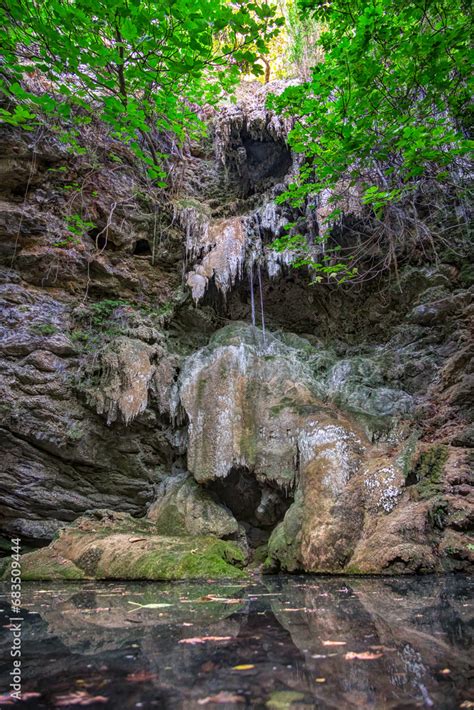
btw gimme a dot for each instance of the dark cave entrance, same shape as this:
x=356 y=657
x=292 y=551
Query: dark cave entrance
x=142 y=248
x=99 y=237
x=267 y=159
x=257 y=506
x=257 y=161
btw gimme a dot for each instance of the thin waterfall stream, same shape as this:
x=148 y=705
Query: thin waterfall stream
x=252 y=295
x=262 y=312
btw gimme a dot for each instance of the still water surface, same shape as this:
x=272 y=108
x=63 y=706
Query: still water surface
x=271 y=643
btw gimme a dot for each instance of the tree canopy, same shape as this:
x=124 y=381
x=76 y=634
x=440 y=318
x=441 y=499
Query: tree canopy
x=382 y=101
x=389 y=106
x=139 y=65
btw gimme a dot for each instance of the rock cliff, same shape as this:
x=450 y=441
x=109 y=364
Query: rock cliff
x=160 y=361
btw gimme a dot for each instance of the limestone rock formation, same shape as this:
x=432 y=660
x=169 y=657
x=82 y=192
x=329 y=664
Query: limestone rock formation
x=182 y=507
x=134 y=378
x=256 y=410
x=125 y=374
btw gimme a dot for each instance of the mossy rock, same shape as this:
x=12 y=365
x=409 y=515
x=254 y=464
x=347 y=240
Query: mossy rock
x=284 y=543
x=117 y=550
x=43 y=565
x=175 y=559
x=260 y=554
x=185 y=508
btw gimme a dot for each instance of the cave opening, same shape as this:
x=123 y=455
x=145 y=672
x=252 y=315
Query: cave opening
x=100 y=239
x=142 y=248
x=258 y=506
x=258 y=162
x=266 y=159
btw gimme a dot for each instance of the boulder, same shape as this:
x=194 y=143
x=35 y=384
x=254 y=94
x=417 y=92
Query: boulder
x=185 y=508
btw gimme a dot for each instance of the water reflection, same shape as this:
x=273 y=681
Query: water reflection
x=274 y=643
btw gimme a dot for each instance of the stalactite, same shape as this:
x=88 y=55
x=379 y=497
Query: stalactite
x=224 y=241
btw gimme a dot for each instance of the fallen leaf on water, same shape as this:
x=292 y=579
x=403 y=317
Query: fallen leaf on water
x=222 y=697
x=445 y=671
x=141 y=677
x=320 y=680
x=362 y=656
x=334 y=643
x=148 y=606
x=243 y=667
x=79 y=698
x=6 y=699
x=221 y=600
x=205 y=639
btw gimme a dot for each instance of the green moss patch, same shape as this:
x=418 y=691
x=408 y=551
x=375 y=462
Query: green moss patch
x=44 y=564
x=89 y=551
x=426 y=476
x=173 y=559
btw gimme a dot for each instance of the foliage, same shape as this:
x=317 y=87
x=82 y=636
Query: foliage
x=76 y=227
x=141 y=66
x=44 y=329
x=388 y=109
x=295 y=49
x=327 y=265
x=303 y=35
x=102 y=311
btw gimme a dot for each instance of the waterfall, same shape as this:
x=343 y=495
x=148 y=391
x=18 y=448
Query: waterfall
x=261 y=302
x=252 y=295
